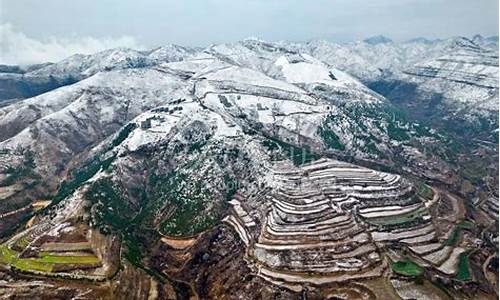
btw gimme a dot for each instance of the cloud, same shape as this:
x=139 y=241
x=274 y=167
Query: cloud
x=18 y=49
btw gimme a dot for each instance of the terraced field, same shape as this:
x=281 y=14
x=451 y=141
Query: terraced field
x=28 y=252
x=490 y=207
x=328 y=221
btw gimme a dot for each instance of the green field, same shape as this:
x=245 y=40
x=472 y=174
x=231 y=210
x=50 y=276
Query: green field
x=407 y=267
x=463 y=273
x=31 y=264
x=58 y=259
x=44 y=263
x=7 y=255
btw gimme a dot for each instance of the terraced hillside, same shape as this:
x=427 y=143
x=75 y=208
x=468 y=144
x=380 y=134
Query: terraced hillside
x=61 y=247
x=328 y=222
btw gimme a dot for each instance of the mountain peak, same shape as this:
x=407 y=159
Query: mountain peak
x=378 y=39
x=493 y=38
x=477 y=37
x=464 y=43
x=422 y=40
x=253 y=39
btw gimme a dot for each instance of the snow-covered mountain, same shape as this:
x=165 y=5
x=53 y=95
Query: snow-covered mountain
x=43 y=78
x=466 y=77
x=378 y=39
x=455 y=79
x=371 y=61
x=232 y=90
x=293 y=92
x=64 y=122
x=486 y=42
x=299 y=99
x=140 y=155
x=83 y=66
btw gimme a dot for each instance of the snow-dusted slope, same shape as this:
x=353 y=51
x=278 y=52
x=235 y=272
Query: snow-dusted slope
x=32 y=81
x=297 y=100
x=169 y=53
x=82 y=66
x=486 y=42
x=293 y=64
x=368 y=61
x=65 y=122
x=288 y=90
x=462 y=72
x=466 y=77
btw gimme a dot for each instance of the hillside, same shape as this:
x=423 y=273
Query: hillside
x=250 y=169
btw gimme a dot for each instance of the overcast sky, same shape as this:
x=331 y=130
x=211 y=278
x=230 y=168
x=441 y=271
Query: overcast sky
x=77 y=24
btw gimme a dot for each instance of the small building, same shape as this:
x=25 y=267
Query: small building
x=146 y=124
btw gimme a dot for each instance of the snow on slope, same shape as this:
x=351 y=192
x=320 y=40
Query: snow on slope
x=467 y=78
x=170 y=53
x=305 y=71
x=68 y=121
x=291 y=63
x=223 y=93
x=270 y=88
x=369 y=62
x=463 y=71
x=83 y=66
x=141 y=87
